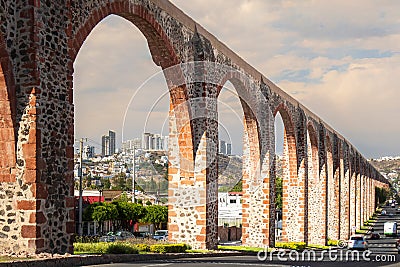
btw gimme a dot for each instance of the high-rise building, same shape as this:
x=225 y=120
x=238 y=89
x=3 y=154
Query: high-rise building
x=222 y=147
x=88 y=152
x=146 y=140
x=108 y=144
x=228 y=148
x=157 y=142
x=111 y=134
x=129 y=145
x=105 y=145
x=152 y=141
x=165 y=143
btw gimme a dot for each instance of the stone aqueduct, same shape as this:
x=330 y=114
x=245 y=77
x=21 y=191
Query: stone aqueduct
x=328 y=186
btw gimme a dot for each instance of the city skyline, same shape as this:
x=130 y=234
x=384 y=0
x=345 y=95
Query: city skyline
x=339 y=60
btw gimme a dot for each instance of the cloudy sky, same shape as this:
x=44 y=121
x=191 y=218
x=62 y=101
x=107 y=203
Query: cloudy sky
x=341 y=59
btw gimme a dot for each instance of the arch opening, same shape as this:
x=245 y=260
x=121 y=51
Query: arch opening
x=230 y=163
x=166 y=102
x=289 y=222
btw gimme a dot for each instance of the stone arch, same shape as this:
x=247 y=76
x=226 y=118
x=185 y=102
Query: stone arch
x=163 y=54
x=292 y=200
x=312 y=144
x=252 y=225
x=7 y=117
x=181 y=153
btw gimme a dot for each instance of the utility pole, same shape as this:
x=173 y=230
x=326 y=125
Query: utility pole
x=134 y=176
x=80 y=173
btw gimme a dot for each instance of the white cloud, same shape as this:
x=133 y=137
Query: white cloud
x=339 y=58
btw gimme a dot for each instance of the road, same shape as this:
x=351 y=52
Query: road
x=244 y=261
x=383 y=252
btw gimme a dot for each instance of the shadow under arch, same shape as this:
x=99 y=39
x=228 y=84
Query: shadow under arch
x=7 y=117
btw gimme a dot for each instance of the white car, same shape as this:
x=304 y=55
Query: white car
x=161 y=235
x=357 y=242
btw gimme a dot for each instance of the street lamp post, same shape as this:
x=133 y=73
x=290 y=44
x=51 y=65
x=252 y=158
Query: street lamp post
x=80 y=172
x=134 y=176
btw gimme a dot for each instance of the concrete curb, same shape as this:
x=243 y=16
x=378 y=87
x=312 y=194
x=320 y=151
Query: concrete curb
x=111 y=258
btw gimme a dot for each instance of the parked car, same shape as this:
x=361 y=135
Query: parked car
x=357 y=242
x=119 y=235
x=141 y=234
x=373 y=236
x=161 y=235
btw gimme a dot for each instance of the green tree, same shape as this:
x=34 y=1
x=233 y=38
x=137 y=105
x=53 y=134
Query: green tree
x=119 y=181
x=278 y=192
x=129 y=213
x=156 y=214
x=106 y=183
x=105 y=212
x=238 y=187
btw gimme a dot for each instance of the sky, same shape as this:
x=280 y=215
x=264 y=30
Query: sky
x=341 y=59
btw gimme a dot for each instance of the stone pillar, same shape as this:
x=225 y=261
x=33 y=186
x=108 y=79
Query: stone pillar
x=258 y=171
x=358 y=193
x=193 y=203
x=315 y=191
x=344 y=193
x=323 y=183
x=352 y=193
x=333 y=190
x=38 y=198
x=293 y=200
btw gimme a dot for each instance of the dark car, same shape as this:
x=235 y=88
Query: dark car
x=141 y=234
x=373 y=236
x=119 y=235
x=398 y=245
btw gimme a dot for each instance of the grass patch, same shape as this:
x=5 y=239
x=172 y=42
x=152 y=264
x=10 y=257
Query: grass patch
x=291 y=245
x=333 y=242
x=8 y=259
x=169 y=248
x=317 y=246
x=105 y=248
x=204 y=251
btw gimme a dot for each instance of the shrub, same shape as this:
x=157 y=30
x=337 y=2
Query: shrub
x=169 y=248
x=333 y=242
x=121 y=248
x=142 y=247
x=90 y=247
x=291 y=245
x=86 y=239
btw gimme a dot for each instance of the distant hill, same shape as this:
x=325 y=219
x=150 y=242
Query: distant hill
x=386 y=166
x=390 y=168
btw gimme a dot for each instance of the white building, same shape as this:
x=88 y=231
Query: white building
x=230 y=208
